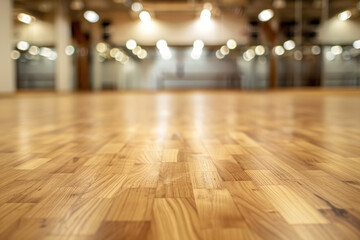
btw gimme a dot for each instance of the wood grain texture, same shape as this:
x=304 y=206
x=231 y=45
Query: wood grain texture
x=180 y=165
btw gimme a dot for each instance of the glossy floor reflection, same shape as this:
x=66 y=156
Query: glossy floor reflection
x=181 y=165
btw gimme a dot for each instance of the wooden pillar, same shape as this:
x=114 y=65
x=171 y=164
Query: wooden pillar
x=271 y=37
x=7 y=73
x=83 y=58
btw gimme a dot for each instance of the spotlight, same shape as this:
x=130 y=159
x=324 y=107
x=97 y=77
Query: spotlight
x=345 y=15
x=91 y=16
x=279 y=50
x=131 y=44
x=136 y=7
x=205 y=15
x=266 y=15
x=289 y=45
x=231 y=44
x=260 y=50
x=145 y=17
x=22 y=45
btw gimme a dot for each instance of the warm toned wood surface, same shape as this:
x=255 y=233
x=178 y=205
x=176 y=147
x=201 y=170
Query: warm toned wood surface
x=180 y=165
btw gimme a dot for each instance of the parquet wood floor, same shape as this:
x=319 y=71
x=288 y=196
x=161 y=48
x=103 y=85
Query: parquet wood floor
x=180 y=165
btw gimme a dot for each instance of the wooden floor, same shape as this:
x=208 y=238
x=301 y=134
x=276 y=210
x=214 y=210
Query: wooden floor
x=181 y=165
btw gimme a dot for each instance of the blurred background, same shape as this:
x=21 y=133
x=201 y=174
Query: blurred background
x=67 y=45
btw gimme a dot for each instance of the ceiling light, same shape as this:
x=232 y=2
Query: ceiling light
x=125 y=59
x=52 y=56
x=259 y=50
x=22 y=45
x=45 y=52
x=336 y=50
x=25 y=18
x=136 y=50
x=101 y=47
x=345 y=15
x=224 y=50
x=142 y=54
x=119 y=56
x=279 y=50
x=231 y=44
x=205 y=15
x=131 y=44
x=330 y=56
x=196 y=54
x=15 y=54
x=161 y=44
x=165 y=53
x=136 y=7
x=219 y=55
x=316 y=50
x=198 y=44
x=249 y=54
x=69 y=50
x=289 y=45
x=145 y=17
x=77 y=5
x=114 y=51
x=34 y=50
x=266 y=15
x=91 y=16
x=356 y=44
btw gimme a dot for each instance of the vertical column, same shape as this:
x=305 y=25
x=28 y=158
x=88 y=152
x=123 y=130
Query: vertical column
x=298 y=39
x=96 y=65
x=7 y=72
x=63 y=75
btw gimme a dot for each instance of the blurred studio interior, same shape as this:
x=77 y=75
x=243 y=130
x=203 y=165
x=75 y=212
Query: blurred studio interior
x=180 y=119
x=156 y=44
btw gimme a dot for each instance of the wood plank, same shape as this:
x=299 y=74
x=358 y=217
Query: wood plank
x=293 y=208
x=175 y=219
x=216 y=209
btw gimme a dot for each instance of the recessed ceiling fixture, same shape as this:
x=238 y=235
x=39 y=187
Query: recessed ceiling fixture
x=34 y=50
x=316 y=50
x=136 y=7
x=163 y=49
x=345 y=15
x=356 y=44
x=219 y=55
x=330 y=56
x=249 y=55
x=260 y=50
x=142 y=54
x=25 y=18
x=22 y=45
x=205 y=15
x=91 y=16
x=279 y=50
x=266 y=15
x=289 y=45
x=336 y=50
x=231 y=44
x=224 y=50
x=15 y=54
x=145 y=17
x=131 y=44
x=69 y=50
x=197 y=49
